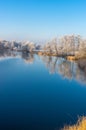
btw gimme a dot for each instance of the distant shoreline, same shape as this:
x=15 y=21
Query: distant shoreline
x=71 y=47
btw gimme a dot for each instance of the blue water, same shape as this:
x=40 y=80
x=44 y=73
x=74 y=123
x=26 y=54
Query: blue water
x=40 y=93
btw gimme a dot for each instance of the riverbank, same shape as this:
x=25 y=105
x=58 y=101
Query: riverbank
x=68 y=57
x=46 y=53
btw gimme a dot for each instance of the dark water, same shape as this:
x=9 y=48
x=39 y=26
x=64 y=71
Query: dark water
x=40 y=93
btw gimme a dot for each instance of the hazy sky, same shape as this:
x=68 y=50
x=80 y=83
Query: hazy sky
x=41 y=19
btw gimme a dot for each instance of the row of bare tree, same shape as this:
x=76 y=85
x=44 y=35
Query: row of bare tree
x=21 y=46
x=67 y=45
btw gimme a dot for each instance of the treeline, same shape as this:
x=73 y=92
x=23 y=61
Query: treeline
x=67 y=45
x=19 y=46
x=73 y=45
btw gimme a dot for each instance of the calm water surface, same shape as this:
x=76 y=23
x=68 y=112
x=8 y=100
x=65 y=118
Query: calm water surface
x=40 y=93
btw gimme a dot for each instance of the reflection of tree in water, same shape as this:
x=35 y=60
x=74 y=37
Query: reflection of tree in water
x=81 y=70
x=50 y=63
x=67 y=69
x=7 y=53
x=28 y=58
x=70 y=70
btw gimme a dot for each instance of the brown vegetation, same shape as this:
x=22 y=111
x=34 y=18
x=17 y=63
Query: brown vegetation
x=71 y=58
x=40 y=53
x=80 y=125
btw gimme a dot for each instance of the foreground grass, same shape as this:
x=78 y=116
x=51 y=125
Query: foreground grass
x=80 y=125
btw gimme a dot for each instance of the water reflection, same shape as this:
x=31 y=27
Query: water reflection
x=67 y=69
x=7 y=53
x=28 y=58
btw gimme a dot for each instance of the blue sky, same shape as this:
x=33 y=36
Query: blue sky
x=41 y=19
